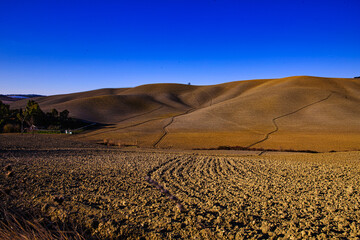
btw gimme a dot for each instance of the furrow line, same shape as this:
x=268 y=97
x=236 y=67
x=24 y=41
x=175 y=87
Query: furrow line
x=129 y=126
x=285 y=115
x=167 y=177
x=165 y=132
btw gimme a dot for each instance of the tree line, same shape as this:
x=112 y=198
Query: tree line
x=32 y=117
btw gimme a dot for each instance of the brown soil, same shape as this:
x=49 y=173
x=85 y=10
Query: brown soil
x=299 y=113
x=108 y=191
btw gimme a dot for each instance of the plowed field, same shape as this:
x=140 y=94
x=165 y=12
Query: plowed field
x=118 y=193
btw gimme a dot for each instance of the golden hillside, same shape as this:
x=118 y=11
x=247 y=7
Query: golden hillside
x=300 y=113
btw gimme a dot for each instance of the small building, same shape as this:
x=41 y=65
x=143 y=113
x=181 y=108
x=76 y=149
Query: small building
x=33 y=128
x=68 y=132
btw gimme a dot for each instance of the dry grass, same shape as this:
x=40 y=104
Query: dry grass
x=118 y=143
x=14 y=226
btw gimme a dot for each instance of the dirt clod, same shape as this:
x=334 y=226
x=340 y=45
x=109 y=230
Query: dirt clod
x=118 y=194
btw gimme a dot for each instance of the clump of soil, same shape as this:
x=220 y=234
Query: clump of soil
x=106 y=191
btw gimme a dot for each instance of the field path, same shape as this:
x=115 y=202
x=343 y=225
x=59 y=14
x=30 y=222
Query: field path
x=285 y=115
x=165 y=131
x=129 y=126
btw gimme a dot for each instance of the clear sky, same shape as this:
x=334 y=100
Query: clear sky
x=58 y=46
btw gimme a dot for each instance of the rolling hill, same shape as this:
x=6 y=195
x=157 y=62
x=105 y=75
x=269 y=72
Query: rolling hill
x=299 y=113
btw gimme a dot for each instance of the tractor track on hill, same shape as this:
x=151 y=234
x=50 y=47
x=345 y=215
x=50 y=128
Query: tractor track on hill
x=133 y=125
x=142 y=114
x=285 y=115
x=165 y=132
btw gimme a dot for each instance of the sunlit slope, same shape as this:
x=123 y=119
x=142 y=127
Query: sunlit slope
x=309 y=113
x=300 y=113
x=332 y=102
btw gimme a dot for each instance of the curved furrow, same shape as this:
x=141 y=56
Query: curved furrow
x=217 y=178
x=235 y=174
x=174 y=174
x=194 y=183
x=235 y=192
x=174 y=186
x=151 y=171
x=166 y=177
x=220 y=170
x=161 y=173
x=240 y=170
x=206 y=183
x=213 y=170
x=209 y=177
x=208 y=172
x=203 y=183
x=206 y=164
x=238 y=174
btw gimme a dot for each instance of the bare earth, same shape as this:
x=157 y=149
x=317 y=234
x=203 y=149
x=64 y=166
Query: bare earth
x=293 y=113
x=104 y=189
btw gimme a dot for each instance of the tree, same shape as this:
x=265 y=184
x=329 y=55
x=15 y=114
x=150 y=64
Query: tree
x=22 y=116
x=18 y=119
x=32 y=115
x=35 y=113
x=64 y=115
x=4 y=110
x=54 y=113
x=4 y=113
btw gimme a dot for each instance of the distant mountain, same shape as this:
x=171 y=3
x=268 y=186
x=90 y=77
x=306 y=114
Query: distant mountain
x=22 y=96
x=8 y=98
x=5 y=99
x=299 y=113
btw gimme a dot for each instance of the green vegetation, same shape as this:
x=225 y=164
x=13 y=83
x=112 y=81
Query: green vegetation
x=33 y=118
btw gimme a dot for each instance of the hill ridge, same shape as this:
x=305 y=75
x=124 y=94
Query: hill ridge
x=236 y=113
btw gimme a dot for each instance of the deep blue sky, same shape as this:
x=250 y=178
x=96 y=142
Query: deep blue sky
x=55 y=46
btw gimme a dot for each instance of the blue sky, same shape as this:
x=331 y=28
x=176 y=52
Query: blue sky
x=50 y=47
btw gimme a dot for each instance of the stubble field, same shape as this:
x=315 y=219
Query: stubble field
x=150 y=194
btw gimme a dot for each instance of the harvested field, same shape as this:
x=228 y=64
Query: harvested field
x=106 y=190
x=299 y=113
